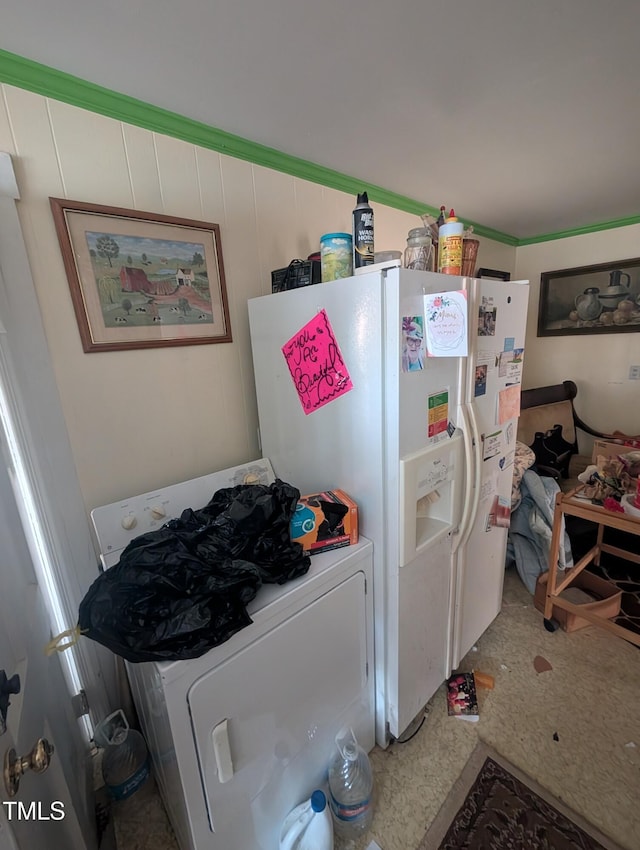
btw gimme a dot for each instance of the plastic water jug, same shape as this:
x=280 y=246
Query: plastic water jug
x=351 y=788
x=125 y=762
x=308 y=826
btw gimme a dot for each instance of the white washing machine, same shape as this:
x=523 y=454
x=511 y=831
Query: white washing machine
x=244 y=733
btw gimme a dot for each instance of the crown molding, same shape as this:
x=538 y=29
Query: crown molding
x=26 y=74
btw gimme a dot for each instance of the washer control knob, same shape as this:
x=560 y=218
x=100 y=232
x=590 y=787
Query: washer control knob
x=129 y=521
x=158 y=512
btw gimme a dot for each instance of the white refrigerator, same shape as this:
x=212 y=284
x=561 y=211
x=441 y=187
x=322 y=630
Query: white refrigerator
x=350 y=397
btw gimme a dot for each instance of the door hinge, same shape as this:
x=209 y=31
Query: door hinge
x=80 y=704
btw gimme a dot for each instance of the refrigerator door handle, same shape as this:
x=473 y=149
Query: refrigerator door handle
x=477 y=474
x=467 y=508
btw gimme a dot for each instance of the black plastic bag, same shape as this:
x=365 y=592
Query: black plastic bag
x=183 y=589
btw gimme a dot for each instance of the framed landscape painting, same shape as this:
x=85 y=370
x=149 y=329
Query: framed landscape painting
x=597 y=299
x=142 y=280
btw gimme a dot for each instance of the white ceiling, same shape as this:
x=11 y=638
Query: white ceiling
x=524 y=116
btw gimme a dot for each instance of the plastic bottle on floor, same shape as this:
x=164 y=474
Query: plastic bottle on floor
x=125 y=762
x=308 y=826
x=350 y=788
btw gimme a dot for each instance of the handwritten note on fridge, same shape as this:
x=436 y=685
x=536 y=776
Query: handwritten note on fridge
x=446 y=326
x=315 y=362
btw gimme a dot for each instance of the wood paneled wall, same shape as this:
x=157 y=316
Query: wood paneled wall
x=142 y=419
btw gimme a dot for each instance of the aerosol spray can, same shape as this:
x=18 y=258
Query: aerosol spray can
x=362 y=233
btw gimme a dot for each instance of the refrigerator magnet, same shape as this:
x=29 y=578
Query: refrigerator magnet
x=499 y=513
x=438 y=407
x=487 y=314
x=508 y=433
x=491 y=445
x=510 y=364
x=507 y=460
x=480 y=386
x=413 y=352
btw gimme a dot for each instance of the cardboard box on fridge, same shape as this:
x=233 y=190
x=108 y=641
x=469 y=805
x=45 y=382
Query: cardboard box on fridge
x=327 y=520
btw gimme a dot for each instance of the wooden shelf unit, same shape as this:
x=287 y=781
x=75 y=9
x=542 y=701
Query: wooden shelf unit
x=570 y=503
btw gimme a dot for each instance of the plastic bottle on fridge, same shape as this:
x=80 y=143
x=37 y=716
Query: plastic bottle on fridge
x=363 y=253
x=450 y=237
x=350 y=788
x=309 y=826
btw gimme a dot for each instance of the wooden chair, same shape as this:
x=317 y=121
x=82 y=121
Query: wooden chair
x=549 y=424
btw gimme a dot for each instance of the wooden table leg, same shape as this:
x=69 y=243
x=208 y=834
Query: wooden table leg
x=553 y=557
x=596 y=560
x=570 y=504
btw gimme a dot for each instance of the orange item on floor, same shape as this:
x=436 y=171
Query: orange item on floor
x=484 y=680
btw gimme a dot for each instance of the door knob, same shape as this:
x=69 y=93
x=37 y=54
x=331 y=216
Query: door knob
x=15 y=766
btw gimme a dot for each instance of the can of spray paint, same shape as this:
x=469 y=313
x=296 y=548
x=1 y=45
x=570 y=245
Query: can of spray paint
x=450 y=245
x=362 y=233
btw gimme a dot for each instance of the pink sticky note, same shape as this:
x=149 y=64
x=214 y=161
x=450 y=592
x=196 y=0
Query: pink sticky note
x=508 y=404
x=315 y=361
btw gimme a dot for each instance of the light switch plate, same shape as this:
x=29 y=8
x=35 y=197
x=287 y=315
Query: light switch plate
x=634 y=373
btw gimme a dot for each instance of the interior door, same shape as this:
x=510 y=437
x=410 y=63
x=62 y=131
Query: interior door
x=49 y=810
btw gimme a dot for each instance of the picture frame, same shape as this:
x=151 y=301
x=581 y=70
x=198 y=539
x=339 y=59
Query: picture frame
x=494 y=274
x=597 y=299
x=141 y=279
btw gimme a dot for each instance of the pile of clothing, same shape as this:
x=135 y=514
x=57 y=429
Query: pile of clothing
x=532 y=507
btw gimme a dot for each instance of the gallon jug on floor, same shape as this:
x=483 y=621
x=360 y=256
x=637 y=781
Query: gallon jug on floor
x=125 y=762
x=308 y=826
x=350 y=788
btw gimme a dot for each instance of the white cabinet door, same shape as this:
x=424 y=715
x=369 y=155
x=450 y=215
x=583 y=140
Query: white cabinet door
x=263 y=716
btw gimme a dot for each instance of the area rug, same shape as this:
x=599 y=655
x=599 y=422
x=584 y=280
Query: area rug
x=494 y=806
